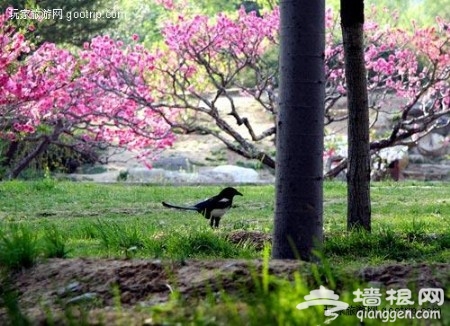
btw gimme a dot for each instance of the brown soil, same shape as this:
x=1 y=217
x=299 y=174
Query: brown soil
x=256 y=239
x=140 y=283
x=57 y=283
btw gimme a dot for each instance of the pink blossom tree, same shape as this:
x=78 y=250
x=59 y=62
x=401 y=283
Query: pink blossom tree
x=412 y=66
x=206 y=58
x=132 y=97
x=83 y=101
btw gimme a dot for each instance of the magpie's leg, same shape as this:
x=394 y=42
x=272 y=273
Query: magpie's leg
x=216 y=222
x=211 y=222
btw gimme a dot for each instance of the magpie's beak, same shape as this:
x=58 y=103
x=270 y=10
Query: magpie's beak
x=238 y=193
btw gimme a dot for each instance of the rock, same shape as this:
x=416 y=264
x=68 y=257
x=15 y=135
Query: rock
x=183 y=177
x=375 y=284
x=174 y=163
x=146 y=175
x=433 y=145
x=89 y=296
x=443 y=126
x=236 y=173
x=219 y=174
x=216 y=177
x=157 y=175
x=417 y=158
x=70 y=288
x=394 y=153
x=428 y=172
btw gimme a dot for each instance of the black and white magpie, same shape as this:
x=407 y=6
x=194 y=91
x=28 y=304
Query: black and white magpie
x=213 y=208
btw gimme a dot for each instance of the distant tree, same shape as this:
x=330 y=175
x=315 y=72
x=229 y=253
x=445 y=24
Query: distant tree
x=407 y=13
x=147 y=18
x=299 y=168
x=432 y=8
x=142 y=18
x=207 y=57
x=358 y=170
x=403 y=13
x=213 y=7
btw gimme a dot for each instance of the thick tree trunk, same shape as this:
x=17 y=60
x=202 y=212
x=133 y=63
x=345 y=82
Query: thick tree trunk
x=299 y=167
x=358 y=175
x=23 y=163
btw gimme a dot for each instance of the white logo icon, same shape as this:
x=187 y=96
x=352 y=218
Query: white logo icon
x=324 y=297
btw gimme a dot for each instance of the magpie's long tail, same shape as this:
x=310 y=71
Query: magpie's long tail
x=188 y=208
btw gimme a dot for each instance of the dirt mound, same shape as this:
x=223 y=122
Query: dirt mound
x=101 y=283
x=254 y=238
x=58 y=283
x=405 y=276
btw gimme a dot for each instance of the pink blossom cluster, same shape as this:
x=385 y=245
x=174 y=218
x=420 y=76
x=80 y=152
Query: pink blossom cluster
x=247 y=35
x=221 y=44
x=412 y=64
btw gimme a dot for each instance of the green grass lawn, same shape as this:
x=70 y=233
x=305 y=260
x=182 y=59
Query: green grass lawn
x=411 y=221
x=38 y=219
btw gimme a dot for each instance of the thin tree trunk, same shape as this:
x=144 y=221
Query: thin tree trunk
x=10 y=153
x=299 y=164
x=41 y=148
x=358 y=175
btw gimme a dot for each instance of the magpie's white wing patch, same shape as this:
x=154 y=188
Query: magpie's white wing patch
x=218 y=212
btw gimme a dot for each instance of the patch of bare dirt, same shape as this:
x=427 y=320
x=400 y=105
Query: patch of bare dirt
x=254 y=238
x=99 y=284
x=405 y=276
x=58 y=283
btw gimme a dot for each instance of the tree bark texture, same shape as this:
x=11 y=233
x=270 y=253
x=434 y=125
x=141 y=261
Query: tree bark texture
x=358 y=175
x=299 y=164
x=40 y=148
